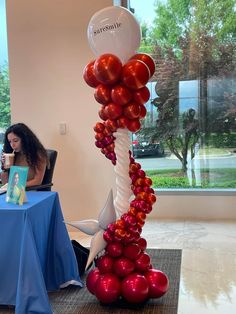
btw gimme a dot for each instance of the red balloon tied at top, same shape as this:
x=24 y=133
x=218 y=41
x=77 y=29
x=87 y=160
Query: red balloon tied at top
x=89 y=75
x=135 y=74
x=147 y=59
x=107 y=69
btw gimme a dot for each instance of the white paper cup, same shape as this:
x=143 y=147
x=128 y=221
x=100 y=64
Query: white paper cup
x=9 y=160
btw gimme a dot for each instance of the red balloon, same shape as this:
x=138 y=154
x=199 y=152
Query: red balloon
x=107 y=68
x=120 y=223
x=111 y=227
x=136 y=235
x=111 y=125
x=129 y=219
x=132 y=110
x=148 y=190
x=89 y=75
x=107 y=131
x=102 y=113
x=111 y=147
x=148 y=60
x=122 y=122
x=140 y=217
x=142 y=243
x=141 y=173
x=108 y=288
x=142 y=263
x=151 y=198
x=135 y=74
x=102 y=94
x=91 y=280
x=99 y=144
x=107 y=236
x=136 y=189
x=113 y=111
x=134 y=288
x=99 y=127
x=131 y=251
x=123 y=266
x=119 y=233
x=141 y=96
x=105 y=264
x=134 y=125
x=108 y=140
x=99 y=136
x=143 y=112
x=121 y=95
x=158 y=283
x=114 y=249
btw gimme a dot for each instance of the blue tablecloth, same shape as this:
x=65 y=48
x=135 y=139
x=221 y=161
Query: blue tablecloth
x=36 y=254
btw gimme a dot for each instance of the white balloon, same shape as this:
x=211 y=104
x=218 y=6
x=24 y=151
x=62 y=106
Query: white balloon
x=114 y=30
x=88 y=226
x=97 y=245
x=108 y=213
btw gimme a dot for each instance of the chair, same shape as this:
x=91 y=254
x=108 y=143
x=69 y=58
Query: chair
x=47 y=183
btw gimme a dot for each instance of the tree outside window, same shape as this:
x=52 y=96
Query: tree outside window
x=193 y=44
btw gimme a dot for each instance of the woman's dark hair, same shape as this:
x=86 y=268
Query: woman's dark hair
x=31 y=146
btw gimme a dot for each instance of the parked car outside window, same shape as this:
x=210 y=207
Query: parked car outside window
x=144 y=147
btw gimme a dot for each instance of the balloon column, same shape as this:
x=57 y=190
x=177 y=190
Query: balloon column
x=119 y=77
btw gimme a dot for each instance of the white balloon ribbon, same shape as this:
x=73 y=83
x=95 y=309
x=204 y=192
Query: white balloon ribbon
x=123 y=181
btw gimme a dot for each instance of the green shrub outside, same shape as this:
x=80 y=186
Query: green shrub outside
x=221 y=140
x=216 y=178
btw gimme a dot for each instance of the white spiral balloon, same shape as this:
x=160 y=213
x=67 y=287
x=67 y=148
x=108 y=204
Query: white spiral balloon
x=123 y=181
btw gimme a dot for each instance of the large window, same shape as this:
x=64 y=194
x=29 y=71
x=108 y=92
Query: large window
x=5 y=117
x=192 y=108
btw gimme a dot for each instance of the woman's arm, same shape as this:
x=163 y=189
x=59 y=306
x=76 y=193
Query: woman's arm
x=39 y=174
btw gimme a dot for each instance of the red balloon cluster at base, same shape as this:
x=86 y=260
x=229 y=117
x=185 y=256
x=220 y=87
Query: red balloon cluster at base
x=124 y=270
x=119 y=279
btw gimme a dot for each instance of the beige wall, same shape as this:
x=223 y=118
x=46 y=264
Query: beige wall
x=48 y=50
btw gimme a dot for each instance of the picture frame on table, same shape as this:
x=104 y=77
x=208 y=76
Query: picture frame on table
x=16 y=185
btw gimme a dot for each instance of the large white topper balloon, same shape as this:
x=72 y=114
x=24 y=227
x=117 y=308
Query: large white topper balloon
x=114 y=30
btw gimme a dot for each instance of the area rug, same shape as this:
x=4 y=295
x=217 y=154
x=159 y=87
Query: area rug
x=74 y=300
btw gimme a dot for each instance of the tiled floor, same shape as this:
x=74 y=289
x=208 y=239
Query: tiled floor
x=208 y=272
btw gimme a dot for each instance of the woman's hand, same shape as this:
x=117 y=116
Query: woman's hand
x=4 y=173
x=2 y=161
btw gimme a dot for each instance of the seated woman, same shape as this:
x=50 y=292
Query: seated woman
x=28 y=152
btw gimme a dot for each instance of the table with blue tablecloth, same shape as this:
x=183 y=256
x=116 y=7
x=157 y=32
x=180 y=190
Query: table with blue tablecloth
x=36 y=254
